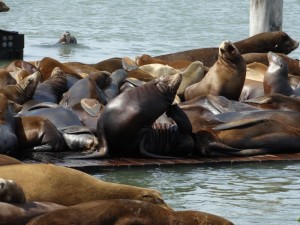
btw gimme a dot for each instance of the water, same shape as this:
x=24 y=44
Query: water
x=246 y=194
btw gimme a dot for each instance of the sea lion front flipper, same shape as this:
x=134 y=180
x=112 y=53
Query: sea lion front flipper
x=92 y=106
x=43 y=148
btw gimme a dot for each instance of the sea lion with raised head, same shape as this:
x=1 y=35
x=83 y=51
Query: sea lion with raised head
x=226 y=77
x=67 y=38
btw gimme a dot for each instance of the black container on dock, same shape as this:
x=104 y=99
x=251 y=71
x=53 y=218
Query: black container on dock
x=11 y=45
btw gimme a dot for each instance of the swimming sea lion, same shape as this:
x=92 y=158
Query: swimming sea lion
x=50 y=183
x=3 y=7
x=276 y=41
x=125 y=211
x=22 y=91
x=225 y=78
x=67 y=38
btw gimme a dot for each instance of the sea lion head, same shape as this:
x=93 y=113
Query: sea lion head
x=228 y=51
x=284 y=43
x=11 y=192
x=28 y=84
x=276 y=63
x=169 y=84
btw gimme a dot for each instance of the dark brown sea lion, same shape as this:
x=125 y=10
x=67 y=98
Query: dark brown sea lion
x=3 y=7
x=89 y=87
x=252 y=133
x=57 y=184
x=293 y=64
x=277 y=41
x=8 y=160
x=8 y=140
x=38 y=134
x=225 y=78
x=22 y=91
x=11 y=192
x=129 y=117
x=276 y=77
x=67 y=38
x=109 y=65
x=20 y=214
x=125 y=212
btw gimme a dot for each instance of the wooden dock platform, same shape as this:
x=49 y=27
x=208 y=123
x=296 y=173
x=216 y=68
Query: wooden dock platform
x=128 y=163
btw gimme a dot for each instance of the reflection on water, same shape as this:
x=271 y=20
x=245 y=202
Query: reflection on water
x=267 y=193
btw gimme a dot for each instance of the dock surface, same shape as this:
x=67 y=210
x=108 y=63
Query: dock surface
x=127 y=163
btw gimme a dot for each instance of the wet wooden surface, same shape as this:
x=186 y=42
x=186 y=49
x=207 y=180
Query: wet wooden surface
x=127 y=163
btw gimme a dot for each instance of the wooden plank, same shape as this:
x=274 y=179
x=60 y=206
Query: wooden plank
x=127 y=163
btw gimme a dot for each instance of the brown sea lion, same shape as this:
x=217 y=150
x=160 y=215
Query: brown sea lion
x=109 y=65
x=276 y=77
x=8 y=160
x=38 y=134
x=22 y=91
x=125 y=212
x=293 y=64
x=147 y=59
x=225 y=78
x=81 y=68
x=134 y=71
x=47 y=64
x=67 y=38
x=57 y=184
x=88 y=87
x=6 y=78
x=252 y=133
x=256 y=71
x=8 y=140
x=20 y=214
x=276 y=41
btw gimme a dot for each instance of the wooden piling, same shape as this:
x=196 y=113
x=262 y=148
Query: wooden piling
x=265 y=16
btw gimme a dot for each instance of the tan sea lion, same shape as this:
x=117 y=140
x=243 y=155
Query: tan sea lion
x=57 y=184
x=125 y=212
x=22 y=91
x=225 y=78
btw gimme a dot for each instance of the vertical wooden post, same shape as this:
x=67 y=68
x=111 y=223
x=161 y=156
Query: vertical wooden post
x=265 y=16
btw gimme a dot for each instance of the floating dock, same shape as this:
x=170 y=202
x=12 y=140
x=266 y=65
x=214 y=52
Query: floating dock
x=128 y=163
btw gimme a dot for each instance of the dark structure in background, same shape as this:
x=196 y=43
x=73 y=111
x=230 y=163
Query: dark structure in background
x=11 y=45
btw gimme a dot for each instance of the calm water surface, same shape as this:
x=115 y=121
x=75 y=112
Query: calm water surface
x=246 y=194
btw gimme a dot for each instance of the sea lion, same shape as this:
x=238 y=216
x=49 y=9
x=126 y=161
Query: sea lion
x=252 y=133
x=256 y=71
x=276 y=101
x=76 y=135
x=134 y=71
x=3 y=7
x=11 y=192
x=6 y=78
x=251 y=89
x=81 y=68
x=88 y=87
x=8 y=160
x=225 y=78
x=157 y=70
x=22 y=91
x=276 y=77
x=20 y=214
x=19 y=69
x=276 y=41
x=57 y=184
x=293 y=64
x=38 y=134
x=128 y=119
x=67 y=38
x=8 y=140
x=125 y=211
x=147 y=59
x=109 y=65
